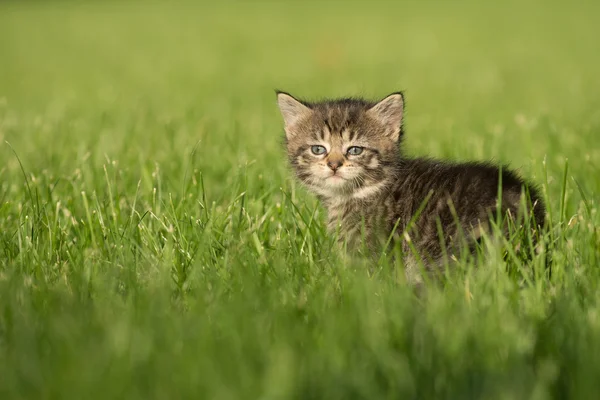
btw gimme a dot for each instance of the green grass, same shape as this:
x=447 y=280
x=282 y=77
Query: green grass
x=154 y=245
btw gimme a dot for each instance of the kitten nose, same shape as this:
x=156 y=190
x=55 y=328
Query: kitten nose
x=334 y=164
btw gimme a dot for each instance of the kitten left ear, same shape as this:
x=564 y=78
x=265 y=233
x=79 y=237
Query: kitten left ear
x=390 y=112
x=292 y=110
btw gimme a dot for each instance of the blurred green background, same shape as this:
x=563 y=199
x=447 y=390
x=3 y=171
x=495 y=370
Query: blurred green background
x=481 y=80
x=154 y=245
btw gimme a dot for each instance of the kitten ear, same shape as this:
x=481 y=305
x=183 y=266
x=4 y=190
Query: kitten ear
x=291 y=109
x=390 y=112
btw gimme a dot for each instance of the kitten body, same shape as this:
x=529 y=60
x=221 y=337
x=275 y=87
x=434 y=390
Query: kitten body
x=348 y=153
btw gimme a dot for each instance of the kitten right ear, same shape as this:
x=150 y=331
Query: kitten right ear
x=390 y=112
x=291 y=109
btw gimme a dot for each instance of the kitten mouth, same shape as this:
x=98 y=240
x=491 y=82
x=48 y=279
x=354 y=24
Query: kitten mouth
x=335 y=180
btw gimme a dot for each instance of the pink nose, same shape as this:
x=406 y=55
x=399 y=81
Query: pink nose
x=334 y=165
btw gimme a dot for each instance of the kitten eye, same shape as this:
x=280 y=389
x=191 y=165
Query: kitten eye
x=355 y=150
x=318 y=150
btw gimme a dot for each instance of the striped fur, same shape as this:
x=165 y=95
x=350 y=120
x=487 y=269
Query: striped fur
x=379 y=189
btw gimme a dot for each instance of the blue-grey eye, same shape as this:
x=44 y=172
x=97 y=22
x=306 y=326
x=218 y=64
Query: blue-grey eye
x=355 y=150
x=318 y=150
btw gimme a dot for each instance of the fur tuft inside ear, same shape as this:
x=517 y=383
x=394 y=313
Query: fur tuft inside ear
x=292 y=110
x=390 y=112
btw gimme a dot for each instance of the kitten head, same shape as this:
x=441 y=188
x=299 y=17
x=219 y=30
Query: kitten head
x=343 y=148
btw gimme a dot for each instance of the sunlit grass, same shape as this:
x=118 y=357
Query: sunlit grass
x=154 y=245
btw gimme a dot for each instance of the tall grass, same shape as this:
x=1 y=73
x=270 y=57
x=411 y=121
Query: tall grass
x=154 y=245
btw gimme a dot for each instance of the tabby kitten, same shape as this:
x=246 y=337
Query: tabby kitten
x=347 y=152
